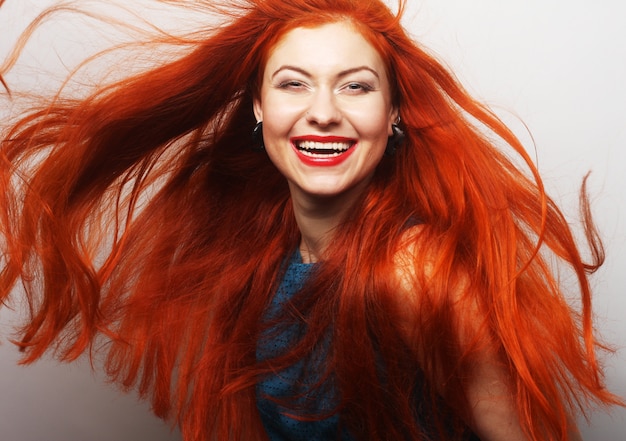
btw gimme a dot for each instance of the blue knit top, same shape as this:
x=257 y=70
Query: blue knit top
x=292 y=382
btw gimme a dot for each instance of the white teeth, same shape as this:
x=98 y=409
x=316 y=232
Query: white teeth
x=320 y=155
x=312 y=146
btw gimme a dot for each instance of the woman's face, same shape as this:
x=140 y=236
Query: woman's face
x=325 y=103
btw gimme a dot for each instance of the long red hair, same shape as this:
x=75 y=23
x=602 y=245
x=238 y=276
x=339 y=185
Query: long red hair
x=140 y=219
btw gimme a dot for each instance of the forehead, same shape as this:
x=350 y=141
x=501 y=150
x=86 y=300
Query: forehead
x=325 y=48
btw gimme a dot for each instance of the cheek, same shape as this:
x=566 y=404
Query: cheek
x=277 y=118
x=275 y=130
x=373 y=127
x=372 y=124
x=277 y=126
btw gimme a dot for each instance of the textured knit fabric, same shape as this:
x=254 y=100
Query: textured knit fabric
x=294 y=381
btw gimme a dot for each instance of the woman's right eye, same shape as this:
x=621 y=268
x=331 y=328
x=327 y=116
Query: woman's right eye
x=291 y=84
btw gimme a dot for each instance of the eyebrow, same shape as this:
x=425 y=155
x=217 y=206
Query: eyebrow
x=343 y=73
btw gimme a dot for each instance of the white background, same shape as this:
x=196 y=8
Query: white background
x=559 y=66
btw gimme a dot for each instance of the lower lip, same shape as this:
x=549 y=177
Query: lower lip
x=324 y=160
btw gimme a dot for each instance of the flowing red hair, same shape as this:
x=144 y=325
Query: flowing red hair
x=142 y=216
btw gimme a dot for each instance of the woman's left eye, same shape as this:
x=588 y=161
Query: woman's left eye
x=357 y=87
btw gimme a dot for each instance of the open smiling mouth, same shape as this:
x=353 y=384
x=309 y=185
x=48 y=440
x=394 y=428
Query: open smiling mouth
x=316 y=149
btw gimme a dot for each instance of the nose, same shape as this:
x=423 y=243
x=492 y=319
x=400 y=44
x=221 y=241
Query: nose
x=323 y=110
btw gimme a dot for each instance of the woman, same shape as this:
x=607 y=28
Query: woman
x=367 y=265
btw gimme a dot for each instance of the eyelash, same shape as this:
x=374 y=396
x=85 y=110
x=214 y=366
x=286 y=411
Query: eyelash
x=290 y=83
x=361 y=86
x=354 y=86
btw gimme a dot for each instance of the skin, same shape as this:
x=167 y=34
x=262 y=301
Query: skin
x=325 y=84
x=494 y=415
x=329 y=84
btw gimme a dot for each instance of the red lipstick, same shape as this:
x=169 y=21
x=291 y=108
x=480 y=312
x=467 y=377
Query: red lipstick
x=323 y=151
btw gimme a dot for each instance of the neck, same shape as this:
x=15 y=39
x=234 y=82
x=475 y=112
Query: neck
x=317 y=218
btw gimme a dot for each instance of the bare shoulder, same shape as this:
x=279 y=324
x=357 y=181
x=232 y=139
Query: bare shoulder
x=413 y=269
x=417 y=263
x=409 y=275
x=424 y=280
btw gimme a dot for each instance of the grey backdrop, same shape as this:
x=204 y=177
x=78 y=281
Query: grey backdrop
x=558 y=66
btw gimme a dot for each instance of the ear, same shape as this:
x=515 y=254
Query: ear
x=257 y=108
